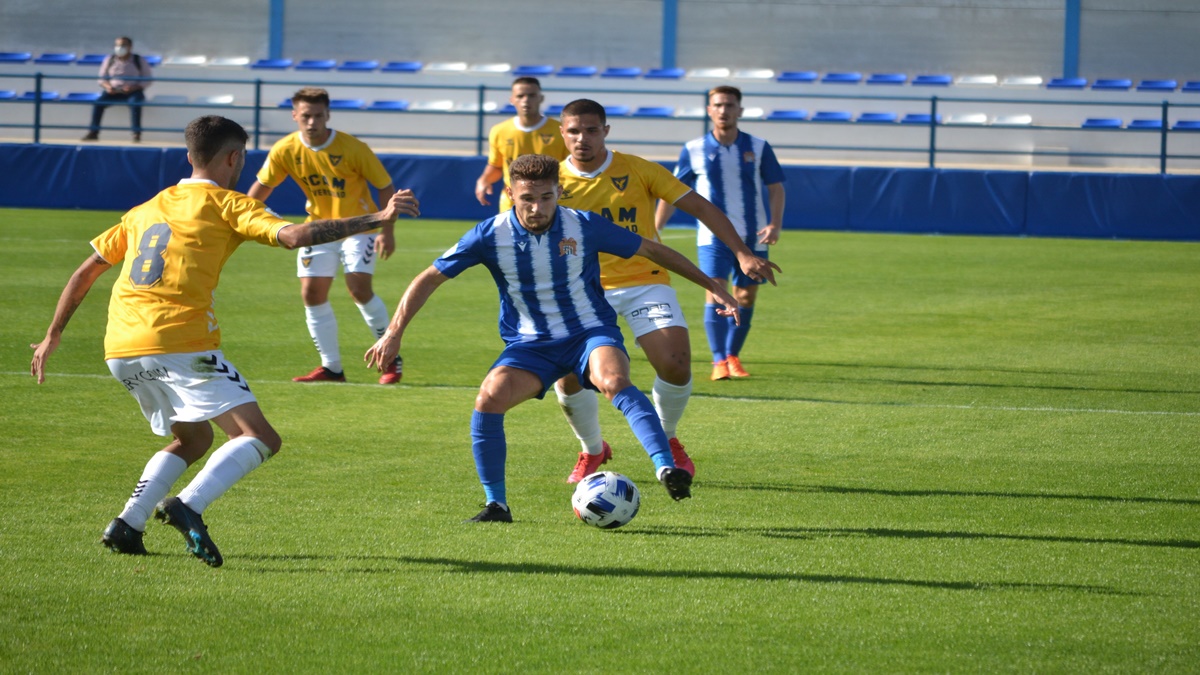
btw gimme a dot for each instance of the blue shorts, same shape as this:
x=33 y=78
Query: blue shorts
x=717 y=261
x=552 y=360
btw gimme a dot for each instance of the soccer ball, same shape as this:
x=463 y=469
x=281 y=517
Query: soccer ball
x=606 y=499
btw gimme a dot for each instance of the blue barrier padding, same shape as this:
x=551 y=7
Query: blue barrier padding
x=1114 y=205
x=937 y=200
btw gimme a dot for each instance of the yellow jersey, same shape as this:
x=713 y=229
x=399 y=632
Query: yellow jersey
x=624 y=190
x=336 y=177
x=174 y=247
x=509 y=140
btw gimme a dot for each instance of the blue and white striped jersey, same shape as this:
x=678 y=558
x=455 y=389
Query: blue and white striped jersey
x=550 y=283
x=732 y=178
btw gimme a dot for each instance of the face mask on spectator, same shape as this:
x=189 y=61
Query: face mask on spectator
x=121 y=51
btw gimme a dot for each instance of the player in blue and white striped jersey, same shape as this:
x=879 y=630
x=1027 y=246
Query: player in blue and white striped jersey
x=730 y=168
x=553 y=318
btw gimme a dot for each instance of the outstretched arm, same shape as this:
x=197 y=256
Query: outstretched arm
x=325 y=231
x=385 y=243
x=703 y=210
x=776 y=197
x=483 y=185
x=675 y=262
x=662 y=214
x=384 y=351
x=72 y=296
x=261 y=192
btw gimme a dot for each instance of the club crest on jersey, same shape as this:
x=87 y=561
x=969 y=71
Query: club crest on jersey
x=620 y=182
x=568 y=246
x=748 y=157
x=566 y=194
x=547 y=138
x=335 y=159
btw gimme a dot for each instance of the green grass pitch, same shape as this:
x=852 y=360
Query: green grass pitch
x=954 y=454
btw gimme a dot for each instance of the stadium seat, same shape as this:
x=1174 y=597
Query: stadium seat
x=919 y=118
x=1022 y=81
x=1067 y=83
x=1191 y=86
x=967 y=119
x=1012 y=120
x=831 y=116
x=446 y=67
x=490 y=68
x=215 y=99
x=15 y=57
x=623 y=72
x=577 y=71
x=887 y=78
x=46 y=96
x=1112 y=84
x=229 y=61
x=1186 y=125
x=402 y=67
x=91 y=59
x=440 y=105
x=1102 y=123
x=842 y=78
x=316 y=64
x=474 y=107
x=932 y=81
x=82 y=96
x=388 y=105
x=532 y=71
x=552 y=110
x=1157 y=85
x=664 y=74
x=7 y=94
x=876 y=118
x=801 y=76
x=977 y=80
x=793 y=115
x=185 y=60
x=754 y=74
x=692 y=113
x=359 y=66
x=653 y=111
x=509 y=109
x=709 y=74
x=616 y=110
x=272 y=64
x=286 y=103
x=1145 y=124
x=347 y=104
x=56 y=59
x=155 y=60
x=753 y=113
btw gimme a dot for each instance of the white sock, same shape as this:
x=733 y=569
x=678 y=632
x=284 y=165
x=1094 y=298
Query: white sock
x=375 y=313
x=670 y=400
x=160 y=474
x=583 y=414
x=322 y=326
x=229 y=464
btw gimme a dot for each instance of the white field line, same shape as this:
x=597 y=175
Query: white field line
x=731 y=399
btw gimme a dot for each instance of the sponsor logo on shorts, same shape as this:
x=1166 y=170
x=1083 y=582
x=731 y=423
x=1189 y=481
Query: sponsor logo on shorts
x=211 y=364
x=145 y=376
x=660 y=310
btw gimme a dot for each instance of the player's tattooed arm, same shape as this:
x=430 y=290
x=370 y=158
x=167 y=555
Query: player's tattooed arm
x=324 y=231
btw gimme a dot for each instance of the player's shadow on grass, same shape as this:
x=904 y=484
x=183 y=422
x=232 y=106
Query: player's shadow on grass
x=838 y=489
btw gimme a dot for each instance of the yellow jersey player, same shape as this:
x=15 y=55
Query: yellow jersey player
x=163 y=341
x=528 y=133
x=336 y=172
x=624 y=189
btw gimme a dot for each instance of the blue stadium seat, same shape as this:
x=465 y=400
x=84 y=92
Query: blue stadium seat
x=625 y=72
x=403 y=67
x=664 y=74
x=653 y=111
x=7 y=94
x=46 y=96
x=15 y=57
x=577 y=71
x=57 y=59
x=1157 y=85
x=788 y=115
x=832 y=116
x=316 y=64
x=532 y=71
x=1109 y=84
x=934 y=80
x=887 y=78
x=359 y=66
x=876 y=118
x=1187 y=125
x=1191 y=86
x=155 y=60
x=1067 y=83
x=918 y=118
x=841 y=78
x=82 y=96
x=802 y=76
x=616 y=110
x=286 y=103
x=1102 y=123
x=551 y=110
x=509 y=109
x=388 y=105
x=1145 y=124
x=347 y=104
x=91 y=59
x=272 y=64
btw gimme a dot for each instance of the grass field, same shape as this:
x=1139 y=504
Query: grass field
x=954 y=454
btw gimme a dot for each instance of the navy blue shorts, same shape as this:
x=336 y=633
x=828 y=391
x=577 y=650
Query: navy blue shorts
x=550 y=361
x=717 y=261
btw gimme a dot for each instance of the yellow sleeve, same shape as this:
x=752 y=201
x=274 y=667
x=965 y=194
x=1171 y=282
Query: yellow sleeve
x=372 y=169
x=112 y=244
x=495 y=156
x=274 y=171
x=663 y=184
x=252 y=220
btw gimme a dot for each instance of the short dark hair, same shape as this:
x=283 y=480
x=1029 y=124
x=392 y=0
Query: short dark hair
x=527 y=80
x=584 y=106
x=533 y=168
x=125 y=39
x=725 y=89
x=311 y=95
x=209 y=136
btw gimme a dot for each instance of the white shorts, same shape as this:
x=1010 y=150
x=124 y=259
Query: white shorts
x=181 y=387
x=355 y=253
x=647 y=308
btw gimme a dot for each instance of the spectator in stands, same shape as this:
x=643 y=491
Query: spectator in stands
x=124 y=77
x=528 y=133
x=730 y=168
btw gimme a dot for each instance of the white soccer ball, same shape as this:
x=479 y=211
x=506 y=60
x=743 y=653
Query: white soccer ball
x=606 y=499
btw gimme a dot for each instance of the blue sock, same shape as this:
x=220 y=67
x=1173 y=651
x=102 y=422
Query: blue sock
x=491 y=450
x=737 y=334
x=643 y=420
x=717 y=329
